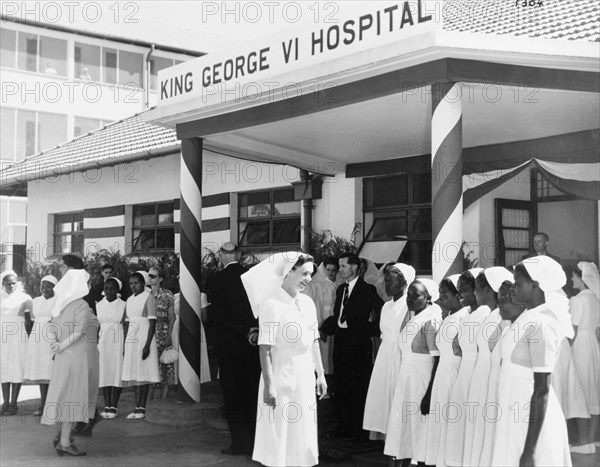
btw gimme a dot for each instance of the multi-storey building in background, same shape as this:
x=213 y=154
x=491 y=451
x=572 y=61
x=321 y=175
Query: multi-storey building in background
x=59 y=83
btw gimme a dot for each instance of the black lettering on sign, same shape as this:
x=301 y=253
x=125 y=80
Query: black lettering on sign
x=178 y=85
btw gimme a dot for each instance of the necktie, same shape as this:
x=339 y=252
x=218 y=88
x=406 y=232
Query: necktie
x=344 y=302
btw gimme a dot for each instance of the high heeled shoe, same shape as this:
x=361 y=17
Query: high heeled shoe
x=70 y=450
x=57 y=440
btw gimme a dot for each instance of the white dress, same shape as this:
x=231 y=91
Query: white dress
x=322 y=293
x=387 y=365
x=585 y=313
x=110 y=344
x=445 y=376
x=467 y=338
x=407 y=427
x=531 y=346
x=287 y=434
x=491 y=408
x=39 y=361
x=139 y=310
x=478 y=390
x=13 y=345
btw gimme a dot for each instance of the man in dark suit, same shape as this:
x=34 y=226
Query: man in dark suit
x=540 y=246
x=356 y=312
x=236 y=336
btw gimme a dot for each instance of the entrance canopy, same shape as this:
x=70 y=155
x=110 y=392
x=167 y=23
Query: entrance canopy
x=323 y=95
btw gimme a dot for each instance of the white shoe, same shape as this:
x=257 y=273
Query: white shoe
x=112 y=414
x=589 y=448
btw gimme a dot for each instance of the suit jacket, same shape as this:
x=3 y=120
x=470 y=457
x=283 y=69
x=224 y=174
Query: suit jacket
x=534 y=254
x=364 y=302
x=230 y=311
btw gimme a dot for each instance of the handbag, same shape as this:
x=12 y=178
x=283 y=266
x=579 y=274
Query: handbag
x=169 y=355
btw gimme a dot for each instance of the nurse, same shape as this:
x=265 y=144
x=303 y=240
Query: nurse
x=537 y=433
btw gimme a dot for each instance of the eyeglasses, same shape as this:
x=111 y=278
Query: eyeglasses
x=152 y=276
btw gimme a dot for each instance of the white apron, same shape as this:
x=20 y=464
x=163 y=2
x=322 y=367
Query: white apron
x=387 y=365
x=437 y=423
x=515 y=387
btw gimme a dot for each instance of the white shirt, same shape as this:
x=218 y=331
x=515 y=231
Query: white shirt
x=351 y=285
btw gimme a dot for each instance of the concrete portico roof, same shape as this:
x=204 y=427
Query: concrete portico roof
x=375 y=103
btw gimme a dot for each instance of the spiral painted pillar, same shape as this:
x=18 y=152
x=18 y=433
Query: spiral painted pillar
x=446 y=182
x=189 y=276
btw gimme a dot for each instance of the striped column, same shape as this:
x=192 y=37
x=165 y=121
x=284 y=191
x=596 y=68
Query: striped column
x=446 y=182
x=189 y=275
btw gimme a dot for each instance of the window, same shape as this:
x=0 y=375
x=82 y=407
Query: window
x=8 y=45
x=42 y=54
x=153 y=227
x=400 y=208
x=38 y=131
x=268 y=219
x=52 y=130
x=7 y=129
x=546 y=192
x=513 y=227
x=85 y=125
x=157 y=64
x=68 y=233
x=109 y=63
x=131 y=67
x=87 y=62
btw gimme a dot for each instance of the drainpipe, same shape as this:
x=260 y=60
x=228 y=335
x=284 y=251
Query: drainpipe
x=307 y=206
x=147 y=80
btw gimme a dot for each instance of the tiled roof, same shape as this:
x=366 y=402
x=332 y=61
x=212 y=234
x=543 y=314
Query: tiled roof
x=576 y=20
x=128 y=139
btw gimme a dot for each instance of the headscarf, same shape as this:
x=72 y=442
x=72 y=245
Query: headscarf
x=406 y=270
x=49 y=278
x=372 y=273
x=590 y=276
x=146 y=277
x=431 y=286
x=496 y=275
x=474 y=272
x=263 y=280
x=321 y=275
x=119 y=283
x=73 y=285
x=9 y=272
x=551 y=278
x=14 y=299
x=454 y=279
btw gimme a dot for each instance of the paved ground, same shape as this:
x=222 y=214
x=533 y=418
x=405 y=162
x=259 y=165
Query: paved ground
x=174 y=435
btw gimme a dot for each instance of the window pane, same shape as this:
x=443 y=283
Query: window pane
x=8 y=45
x=165 y=239
x=53 y=56
x=7 y=129
x=63 y=223
x=87 y=62
x=421 y=188
x=165 y=213
x=52 y=130
x=144 y=215
x=130 y=68
x=85 y=125
x=284 y=203
x=417 y=253
x=283 y=196
x=516 y=238
x=77 y=243
x=27 y=51
x=143 y=239
x=254 y=233
x=110 y=66
x=26 y=134
x=286 y=231
x=421 y=220
x=77 y=221
x=62 y=244
x=386 y=192
x=157 y=64
x=255 y=204
x=389 y=228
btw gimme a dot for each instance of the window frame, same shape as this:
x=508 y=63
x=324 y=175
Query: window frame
x=499 y=205
x=407 y=209
x=271 y=219
x=155 y=227
x=72 y=233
